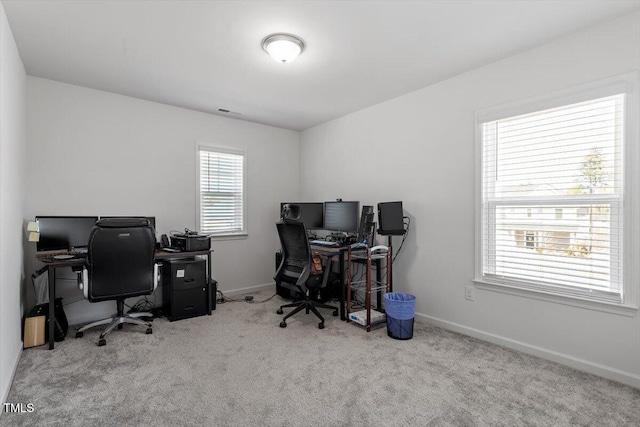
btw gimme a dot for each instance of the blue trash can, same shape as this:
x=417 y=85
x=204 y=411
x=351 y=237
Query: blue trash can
x=401 y=311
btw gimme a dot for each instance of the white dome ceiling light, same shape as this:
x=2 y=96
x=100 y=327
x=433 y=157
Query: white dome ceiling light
x=283 y=48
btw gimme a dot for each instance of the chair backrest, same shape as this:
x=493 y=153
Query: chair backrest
x=121 y=258
x=296 y=253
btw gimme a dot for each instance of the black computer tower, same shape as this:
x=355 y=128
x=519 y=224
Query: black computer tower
x=213 y=294
x=184 y=288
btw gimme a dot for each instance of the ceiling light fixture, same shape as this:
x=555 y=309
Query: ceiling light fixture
x=282 y=47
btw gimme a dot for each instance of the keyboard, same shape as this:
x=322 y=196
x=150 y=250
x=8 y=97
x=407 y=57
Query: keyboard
x=323 y=243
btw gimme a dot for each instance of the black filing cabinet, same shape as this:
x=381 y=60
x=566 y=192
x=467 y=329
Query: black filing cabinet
x=184 y=288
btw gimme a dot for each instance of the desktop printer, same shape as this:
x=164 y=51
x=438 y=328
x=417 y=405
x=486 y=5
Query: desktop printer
x=190 y=241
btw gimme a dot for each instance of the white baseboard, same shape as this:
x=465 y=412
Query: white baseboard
x=613 y=374
x=7 y=386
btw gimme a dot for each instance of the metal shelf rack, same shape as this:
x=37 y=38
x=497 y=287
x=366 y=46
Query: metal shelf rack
x=368 y=256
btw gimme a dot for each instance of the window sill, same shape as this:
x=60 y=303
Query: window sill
x=235 y=236
x=618 y=309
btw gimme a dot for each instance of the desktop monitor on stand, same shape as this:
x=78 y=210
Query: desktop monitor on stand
x=341 y=217
x=391 y=218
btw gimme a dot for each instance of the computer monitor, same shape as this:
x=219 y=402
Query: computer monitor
x=152 y=219
x=390 y=217
x=310 y=214
x=341 y=216
x=64 y=232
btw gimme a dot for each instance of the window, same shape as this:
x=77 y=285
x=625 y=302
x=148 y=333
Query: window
x=565 y=163
x=221 y=191
x=530 y=239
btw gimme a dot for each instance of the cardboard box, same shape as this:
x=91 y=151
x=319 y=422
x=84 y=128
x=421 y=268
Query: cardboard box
x=34 y=331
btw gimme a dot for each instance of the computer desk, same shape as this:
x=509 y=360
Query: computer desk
x=340 y=251
x=53 y=265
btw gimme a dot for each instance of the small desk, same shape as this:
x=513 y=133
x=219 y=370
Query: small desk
x=79 y=262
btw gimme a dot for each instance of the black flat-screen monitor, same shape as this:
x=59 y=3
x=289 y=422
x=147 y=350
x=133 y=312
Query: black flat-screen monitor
x=390 y=216
x=341 y=216
x=152 y=219
x=310 y=214
x=64 y=232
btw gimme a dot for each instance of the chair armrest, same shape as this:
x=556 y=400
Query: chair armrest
x=83 y=281
x=156 y=275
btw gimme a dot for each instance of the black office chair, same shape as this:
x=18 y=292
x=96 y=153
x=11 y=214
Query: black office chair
x=295 y=269
x=120 y=264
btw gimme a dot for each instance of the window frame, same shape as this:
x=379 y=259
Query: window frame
x=628 y=84
x=205 y=146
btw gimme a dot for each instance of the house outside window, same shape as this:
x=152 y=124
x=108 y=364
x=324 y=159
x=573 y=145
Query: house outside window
x=551 y=179
x=530 y=240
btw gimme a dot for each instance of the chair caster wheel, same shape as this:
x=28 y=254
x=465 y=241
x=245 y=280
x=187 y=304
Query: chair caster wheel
x=321 y=325
x=79 y=334
x=283 y=325
x=335 y=313
x=102 y=342
x=279 y=311
x=120 y=326
x=149 y=331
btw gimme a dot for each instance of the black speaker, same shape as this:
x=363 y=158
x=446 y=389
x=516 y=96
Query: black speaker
x=390 y=217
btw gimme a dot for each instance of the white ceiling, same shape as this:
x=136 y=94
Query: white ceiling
x=206 y=55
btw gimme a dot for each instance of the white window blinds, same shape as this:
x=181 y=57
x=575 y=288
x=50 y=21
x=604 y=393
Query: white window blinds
x=552 y=199
x=221 y=192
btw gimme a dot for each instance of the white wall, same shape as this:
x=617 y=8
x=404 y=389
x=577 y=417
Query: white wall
x=97 y=153
x=419 y=148
x=12 y=175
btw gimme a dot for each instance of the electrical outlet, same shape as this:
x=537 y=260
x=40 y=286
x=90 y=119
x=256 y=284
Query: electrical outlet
x=470 y=293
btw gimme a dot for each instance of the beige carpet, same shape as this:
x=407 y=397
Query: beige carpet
x=238 y=368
